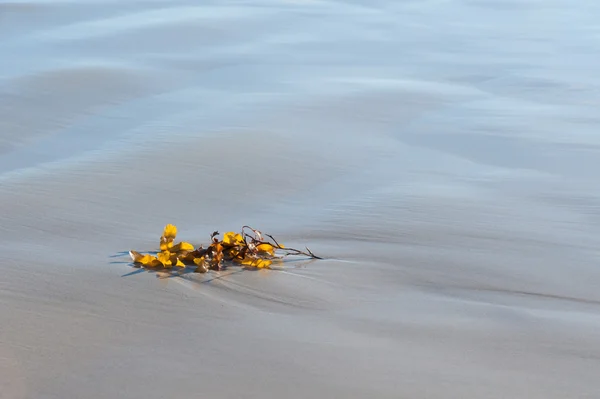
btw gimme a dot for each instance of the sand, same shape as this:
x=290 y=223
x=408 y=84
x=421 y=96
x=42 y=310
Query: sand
x=442 y=156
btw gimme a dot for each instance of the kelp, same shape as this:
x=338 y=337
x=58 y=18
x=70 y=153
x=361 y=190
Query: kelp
x=249 y=248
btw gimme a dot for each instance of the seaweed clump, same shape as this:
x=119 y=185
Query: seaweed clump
x=249 y=248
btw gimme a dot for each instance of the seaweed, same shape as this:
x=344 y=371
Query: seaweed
x=249 y=248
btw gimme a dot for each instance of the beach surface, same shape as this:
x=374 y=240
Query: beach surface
x=442 y=156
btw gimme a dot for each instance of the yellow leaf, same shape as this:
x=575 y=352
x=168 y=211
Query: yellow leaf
x=231 y=238
x=165 y=258
x=202 y=267
x=135 y=256
x=152 y=262
x=186 y=257
x=144 y=260
x=268 y=248
x=165 y=244
x=147 y=260
x=182 y=246
x=255 y=262
x=231 y=253
x=263 y=263
x=217 y=249
x=170 y=232
x=179 y=263
x=218 y=255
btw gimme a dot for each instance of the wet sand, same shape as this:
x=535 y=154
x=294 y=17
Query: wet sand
x=441 y=155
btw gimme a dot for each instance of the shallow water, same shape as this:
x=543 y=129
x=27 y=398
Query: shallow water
x=442 y=155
